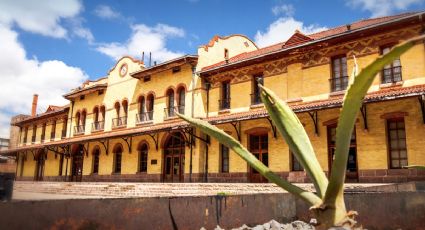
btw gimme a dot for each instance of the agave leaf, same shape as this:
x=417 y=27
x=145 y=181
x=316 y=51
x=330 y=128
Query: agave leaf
x=295 y=135
x=422 y=167
x=237 y=147
x=351 y=105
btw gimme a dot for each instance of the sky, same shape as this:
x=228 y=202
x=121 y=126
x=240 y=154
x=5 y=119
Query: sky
x=49 y=47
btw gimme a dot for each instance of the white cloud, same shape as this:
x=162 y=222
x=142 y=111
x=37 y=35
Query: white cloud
x=283 y=28
x=106 y=12
x=80 y=31
x=21 y=77
x=379 y=8
x=42 y=17
x=145 y=39
x=285 y=9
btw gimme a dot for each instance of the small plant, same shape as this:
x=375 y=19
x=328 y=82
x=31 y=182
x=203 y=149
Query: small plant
x=328 y=202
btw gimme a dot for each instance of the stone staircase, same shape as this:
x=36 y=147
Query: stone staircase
x=128 y=190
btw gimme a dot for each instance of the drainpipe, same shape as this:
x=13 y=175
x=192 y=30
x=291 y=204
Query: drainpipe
x=193 y=90
x=191 y=153
x=206 y=157
x=208 y=86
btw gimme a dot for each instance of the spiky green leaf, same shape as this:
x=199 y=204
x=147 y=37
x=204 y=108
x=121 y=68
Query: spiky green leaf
x=238 y=148
x=296 y=137
x=421 y=167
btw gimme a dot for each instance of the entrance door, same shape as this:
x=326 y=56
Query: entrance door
x=174 y=158
x=351 y=173
x=39 y=169
x=258 y=145
x=77 y=164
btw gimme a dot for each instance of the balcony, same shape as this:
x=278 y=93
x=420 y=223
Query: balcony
x=144 y=117
x=256 y=98
x=119 y=122
x=63 y=134
x=391 y=75
x=98 y=126
x=170 y=112
x=79 y=129
x=338 y=83
x=224 y=104
x=52 y=136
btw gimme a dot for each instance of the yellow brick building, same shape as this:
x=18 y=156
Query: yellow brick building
x=123 y=127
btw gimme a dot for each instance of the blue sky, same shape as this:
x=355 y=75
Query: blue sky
x=49 y=47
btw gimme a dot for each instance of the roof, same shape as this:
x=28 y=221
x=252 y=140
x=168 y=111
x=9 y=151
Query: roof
x=136 y=131
x=84 y=91
x=191 y=59
x=298 y=39
x=332 y=102
x=50 y=112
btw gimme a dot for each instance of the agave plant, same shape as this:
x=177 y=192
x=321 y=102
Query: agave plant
x=327 y=202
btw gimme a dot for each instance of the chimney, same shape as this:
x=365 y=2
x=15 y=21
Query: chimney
x=34 y=105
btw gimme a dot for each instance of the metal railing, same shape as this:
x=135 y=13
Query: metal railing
x=338 y=83
x=171 y=111
x=144 y=117
x=224 y=103
x=391 y=75
x=98 y=126
x=79 y=129
x=255 y=98
x=119 y=122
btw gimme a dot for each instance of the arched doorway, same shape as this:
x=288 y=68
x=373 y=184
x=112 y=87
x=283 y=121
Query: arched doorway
x=77 y=163
x=39 y=168
x=174 y=158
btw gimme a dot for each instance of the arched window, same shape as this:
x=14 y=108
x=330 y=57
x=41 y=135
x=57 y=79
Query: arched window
x=150 y=106
x=117 y=107
x=170 y=103
x=141 y=117
x=102 y=113
x=117 y=158
x=96 y=154
x=83 y=117
x=143 y=157
x=180 y=103
x=125 y=107
x=96 y=114
x=77 y=118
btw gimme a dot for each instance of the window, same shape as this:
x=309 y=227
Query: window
x=34 y=133
x=43 y=132
x=170 y=103
x=142 y=115
x=146 y=78
x=26 y=135
x=143 y=158
x=82 y=97
x=339 y=80
x=96 y=153
x=64 y=127
x=255 y=96
x=181 y=93
x=149 y=106
x=100 y=92
x=53 y=132
x=224 y=159
x=295 y=164
x=397 y=142
x=225 y=95
x=258 y=145
x=117 y=158
x=226 y=54
x=392 y=72
x=176 y=69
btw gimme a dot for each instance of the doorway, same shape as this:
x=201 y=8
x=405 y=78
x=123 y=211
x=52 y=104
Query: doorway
x=77 y=164
x=174 y=158
x=352 y=170
x=39 y=169
x=258 y=145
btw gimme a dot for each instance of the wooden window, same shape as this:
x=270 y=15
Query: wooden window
x=224 y=159
x=43 y=132
x=397 y=142
x=339 y=80
x=96 y=153
x=392 y=72
x=170 y=103
x=26 y=135
x=225 y=95
x=255 y=96
x=181 y=102
x=53 y=132
x=259 y=145
x=295 y=164
x=34 y=133
x=143 y=158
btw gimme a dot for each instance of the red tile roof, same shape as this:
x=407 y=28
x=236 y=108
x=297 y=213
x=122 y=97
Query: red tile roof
x=297 y=40
x=332 y=102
